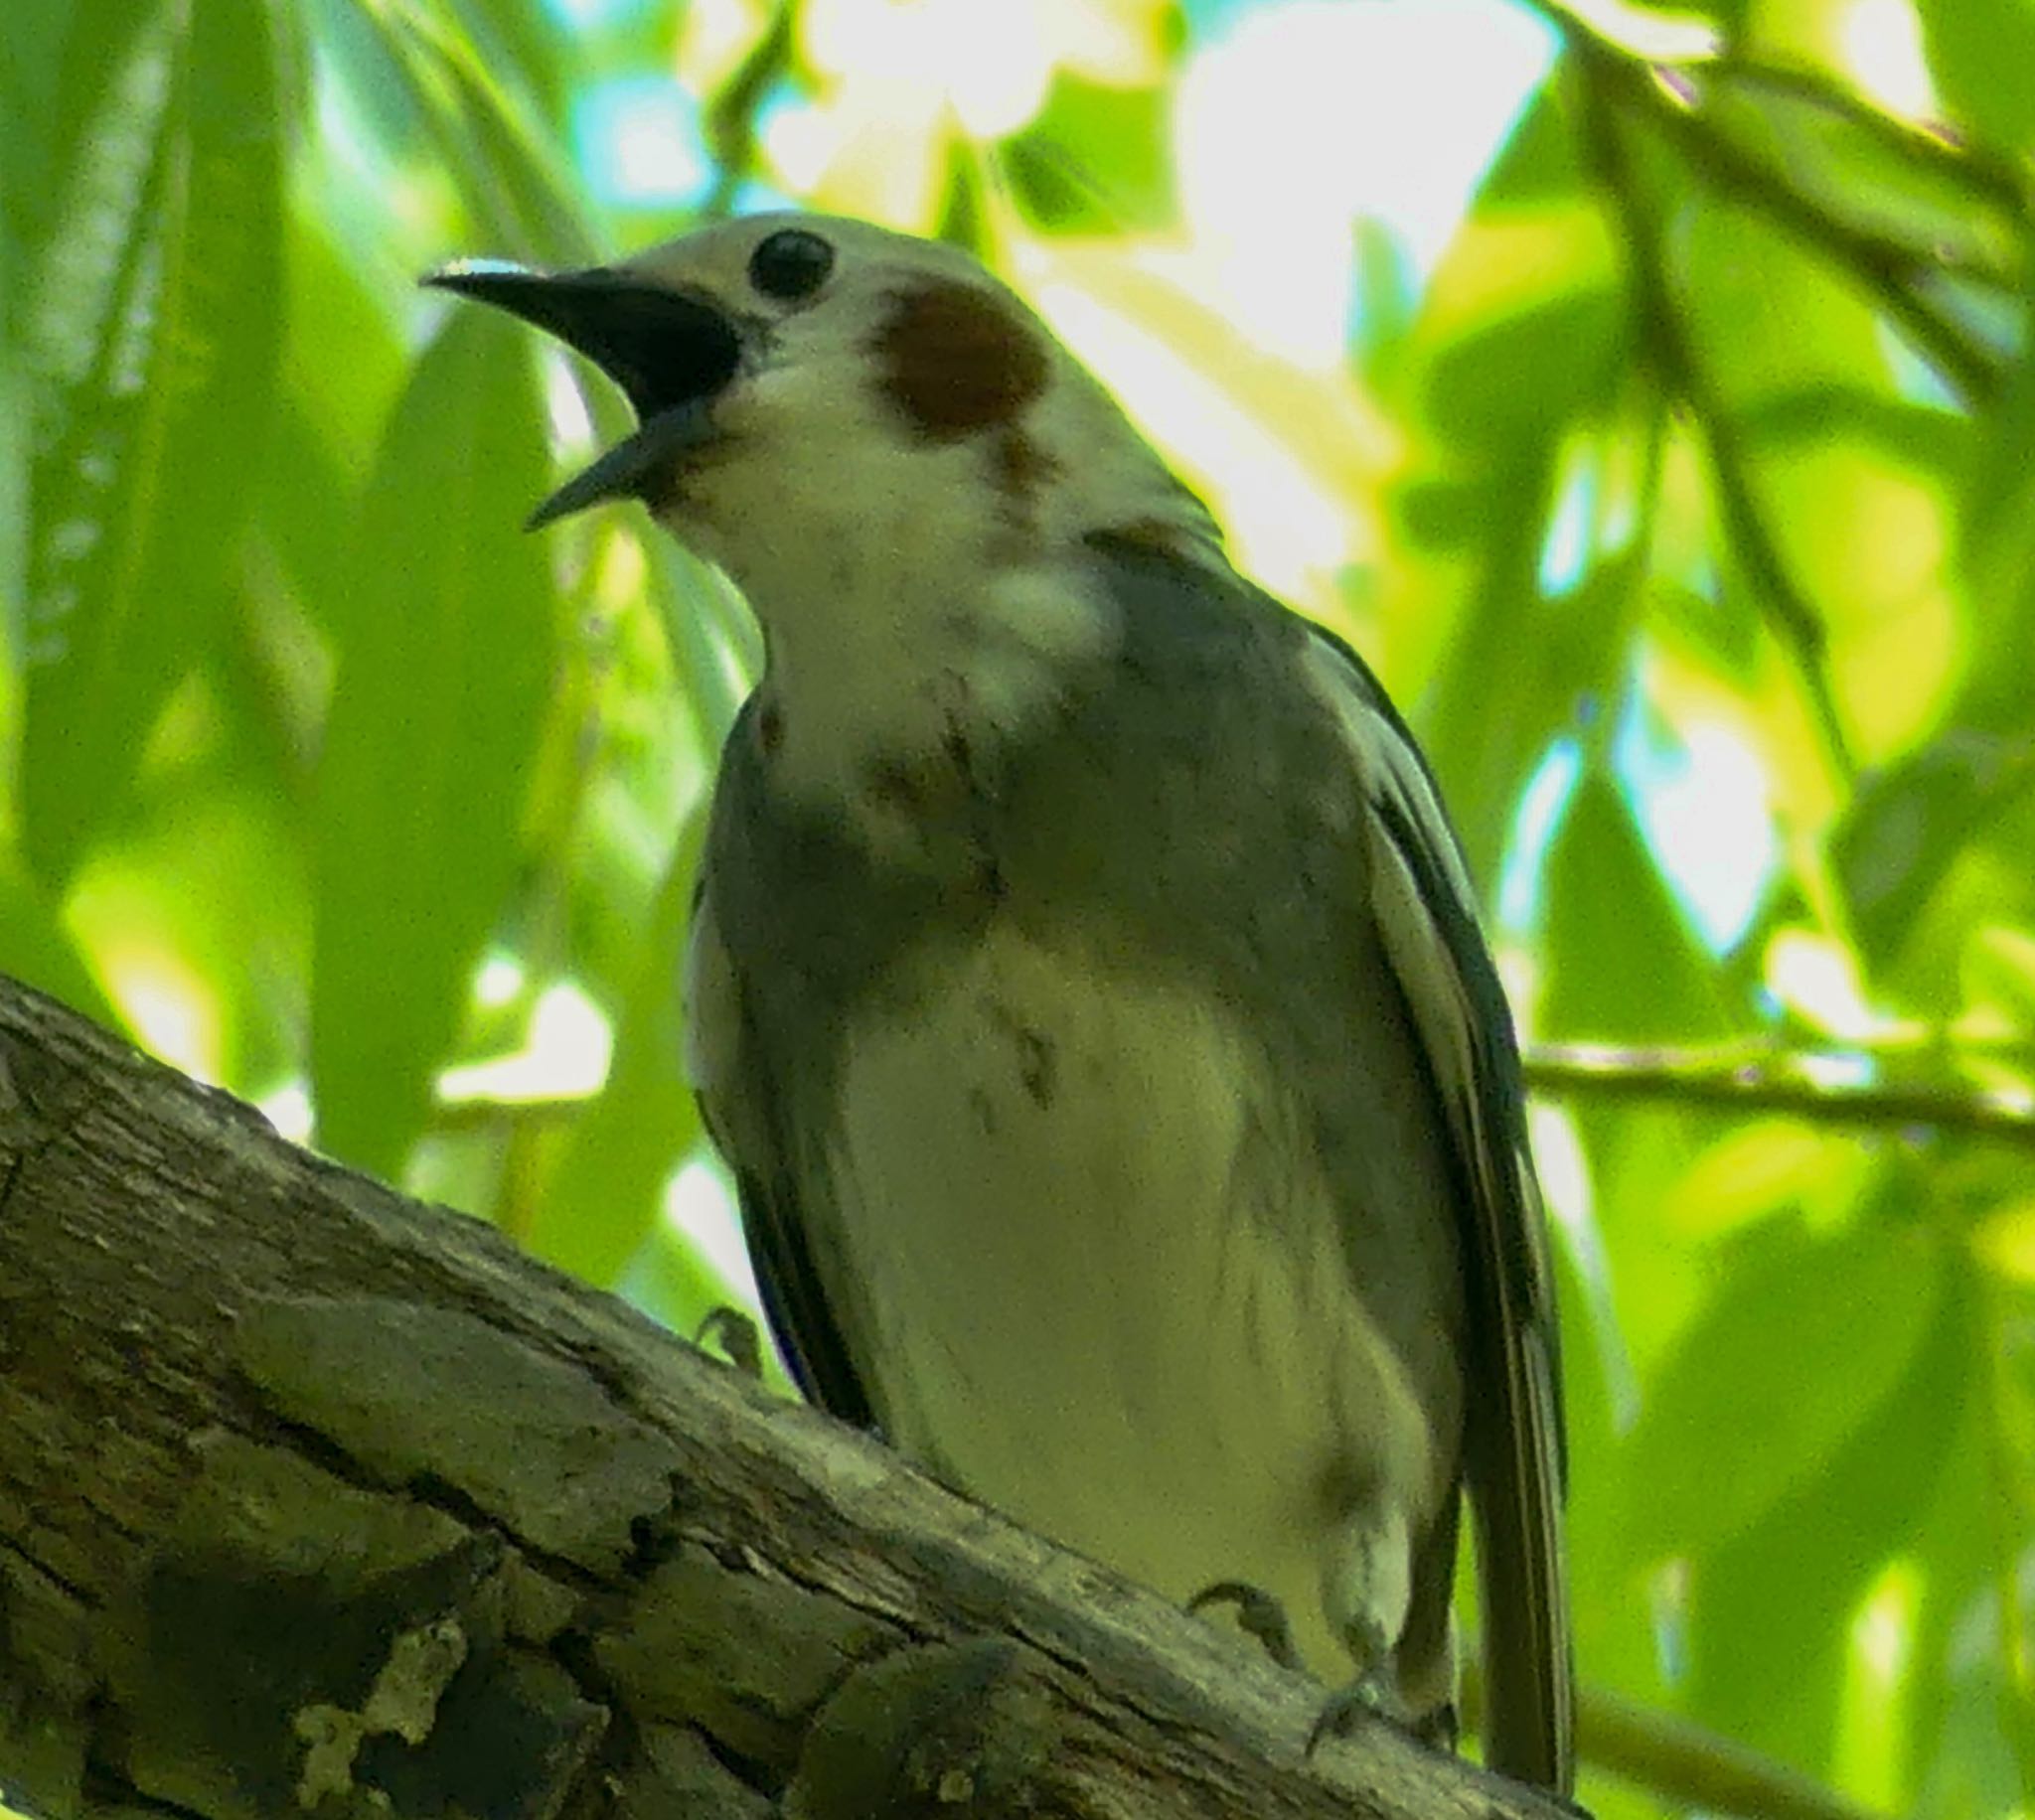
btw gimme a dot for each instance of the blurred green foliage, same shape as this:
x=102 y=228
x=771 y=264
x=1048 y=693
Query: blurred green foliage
x=1695 y=526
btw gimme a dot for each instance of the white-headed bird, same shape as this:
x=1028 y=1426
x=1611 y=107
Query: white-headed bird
x=1085 y=989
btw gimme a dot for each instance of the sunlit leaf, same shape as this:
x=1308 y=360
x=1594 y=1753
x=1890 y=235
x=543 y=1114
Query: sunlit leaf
x=1524 y=327
x=1853 y=565
x=197 y=917
x=2000 y=976
x=144 y=485
x=1387 y=303
x=332 y=306
x=1094 y=158
x=1768 y=1167
x=1624 y=964
x=438 y=715
x=2005 y=1241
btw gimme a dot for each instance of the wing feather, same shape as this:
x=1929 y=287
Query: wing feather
x=1425 y=911
x=739 y=1109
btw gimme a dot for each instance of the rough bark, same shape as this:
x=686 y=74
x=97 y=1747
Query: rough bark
x=314 y=1499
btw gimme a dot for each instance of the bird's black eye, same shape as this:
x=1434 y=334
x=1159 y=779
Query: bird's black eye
x=790 y=264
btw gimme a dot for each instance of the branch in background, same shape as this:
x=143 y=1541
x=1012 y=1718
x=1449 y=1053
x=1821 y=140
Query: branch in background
x=1692 y=1078
x=1692 y=1768
x=1742 y=1078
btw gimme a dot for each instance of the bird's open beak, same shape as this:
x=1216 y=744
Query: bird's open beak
x=670 y=352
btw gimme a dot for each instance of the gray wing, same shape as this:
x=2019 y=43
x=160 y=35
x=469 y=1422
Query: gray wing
x=739 y=1112
x=1426 y=916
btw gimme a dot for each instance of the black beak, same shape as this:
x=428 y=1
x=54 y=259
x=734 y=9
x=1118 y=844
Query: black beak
x=672 y=353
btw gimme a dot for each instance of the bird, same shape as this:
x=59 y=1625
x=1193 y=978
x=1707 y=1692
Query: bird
x=1086 y=991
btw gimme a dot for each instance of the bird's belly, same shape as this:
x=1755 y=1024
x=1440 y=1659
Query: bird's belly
x=1104 y=1276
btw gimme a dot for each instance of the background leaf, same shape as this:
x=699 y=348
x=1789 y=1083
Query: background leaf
x=143 y=494
x=436 y=716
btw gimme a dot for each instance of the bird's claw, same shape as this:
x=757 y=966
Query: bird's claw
x=1258 y=1614
x=1375 y=1694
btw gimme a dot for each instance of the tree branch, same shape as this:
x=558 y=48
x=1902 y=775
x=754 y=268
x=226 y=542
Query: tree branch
x=1686 y=1077
x=1694 y=1769
x=311 y=1495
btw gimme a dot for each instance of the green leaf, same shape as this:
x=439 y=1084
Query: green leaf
x=1094 y=158
x=609 y=1187
x=482 y=128
x=1907 y=827
x=163 y=375
x=1624 y=964
x=1523 y=326
x=1803 y=1339
x=1518 y=360
x=1999 y=549
x=1772 y=1610
x=331 y=306
x=329 y=418
x=1867 y=171
x=1387 y=298
x=37 y=949
x=56 y=64
x=437 y=718
x=1539 y=161
x=1981 y=52
x=1480 y=752
x=1925 y=438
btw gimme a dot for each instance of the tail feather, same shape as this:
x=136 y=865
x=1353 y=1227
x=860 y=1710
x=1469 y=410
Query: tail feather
x=1528 y=1661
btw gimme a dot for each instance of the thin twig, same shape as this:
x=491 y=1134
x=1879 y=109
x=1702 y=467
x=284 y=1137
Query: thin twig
x=1941 y=152
x=1887 y=267
x=731 y=119
x=1672 y=1078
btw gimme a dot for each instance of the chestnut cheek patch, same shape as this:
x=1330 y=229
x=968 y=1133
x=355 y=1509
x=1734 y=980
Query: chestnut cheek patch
x=954 y=359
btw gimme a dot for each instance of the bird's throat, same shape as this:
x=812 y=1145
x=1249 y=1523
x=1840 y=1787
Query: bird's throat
x=915 y=696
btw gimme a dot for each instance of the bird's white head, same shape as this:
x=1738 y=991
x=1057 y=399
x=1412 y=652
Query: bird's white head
x=818 y=396
x=883 y=447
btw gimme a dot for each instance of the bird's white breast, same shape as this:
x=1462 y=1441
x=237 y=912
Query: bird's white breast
x=1101 y=1273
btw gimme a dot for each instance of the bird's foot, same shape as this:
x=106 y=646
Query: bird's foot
x=735 y=1334
x=1258 y=1614
x=1376 y=1694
